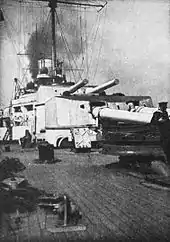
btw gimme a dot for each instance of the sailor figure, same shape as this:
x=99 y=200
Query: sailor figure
x=161 y=115
x=132 y=105
x=161 y=120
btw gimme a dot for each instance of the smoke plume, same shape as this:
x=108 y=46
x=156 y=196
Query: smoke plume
x=67 y=41
x=132 y=44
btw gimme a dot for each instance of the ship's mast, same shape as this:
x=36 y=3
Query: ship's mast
x=53 y=6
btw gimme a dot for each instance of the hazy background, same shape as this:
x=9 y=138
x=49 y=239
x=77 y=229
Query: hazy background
x=128 y=40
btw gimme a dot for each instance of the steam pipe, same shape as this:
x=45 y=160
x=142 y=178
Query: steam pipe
x=75 y=87
x=104 y=86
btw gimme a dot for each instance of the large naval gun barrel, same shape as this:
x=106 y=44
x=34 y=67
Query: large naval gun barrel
x=149 y=110
x=104 y=86
x=75 y=87
x=121 y=115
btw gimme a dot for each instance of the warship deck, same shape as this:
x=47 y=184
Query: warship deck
x=115 y=206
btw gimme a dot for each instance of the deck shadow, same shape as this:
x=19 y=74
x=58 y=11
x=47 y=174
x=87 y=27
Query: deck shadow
x=50 y=238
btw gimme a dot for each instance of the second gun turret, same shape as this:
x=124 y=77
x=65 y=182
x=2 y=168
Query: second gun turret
x=103 y=86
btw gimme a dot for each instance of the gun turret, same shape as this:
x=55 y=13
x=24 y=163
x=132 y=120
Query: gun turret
x=121 y=115
x=104 y=86
x=75 y=87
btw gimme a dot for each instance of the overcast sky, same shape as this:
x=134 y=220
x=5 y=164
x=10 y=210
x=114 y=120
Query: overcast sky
x=128 y=40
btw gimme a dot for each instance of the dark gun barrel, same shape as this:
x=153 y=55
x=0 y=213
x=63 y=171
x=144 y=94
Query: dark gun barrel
x=75 y=87
x=104 y=86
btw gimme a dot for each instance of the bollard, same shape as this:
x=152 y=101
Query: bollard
x=46 y=152
x=7 y=148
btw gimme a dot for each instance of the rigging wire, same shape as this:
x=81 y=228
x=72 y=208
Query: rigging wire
x=81 y=38
x=10 y=37
x=19 y=36
x=24 y=70
x=43 y=15
x=23 y=29
x=34 y=54
x=77 y=19
x=92 y=36
x=93 y=39
x=4 y=98
x=11 y=24
x=68 y=56
x=31 y=7
x=67 y=45
x=86 y=41
x=16 y=46
x=88 y=64
x=101 y=43
x=46 y=36
x=2 y=94
x=31 y=28
x=25 y=20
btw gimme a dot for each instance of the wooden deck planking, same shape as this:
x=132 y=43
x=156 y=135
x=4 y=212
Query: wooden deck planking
x=56 y=188
x=101 y=212
x=118 y=216
x=136 y=201
x=121 y=188
x=134 y=189
x=135 y=216
x=147 y=213
x=131 y=185
x=131 y=219
x=152 y=207
x=152 y=194
x=47 y=184
x=113 y=205
x=116 y=223
x=68 y=188
x=95 y=227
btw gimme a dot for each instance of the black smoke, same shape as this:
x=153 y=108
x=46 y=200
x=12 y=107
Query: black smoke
x=68 y=40
x=38 y=47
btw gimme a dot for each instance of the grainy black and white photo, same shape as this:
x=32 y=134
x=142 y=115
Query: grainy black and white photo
x=84 y=120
